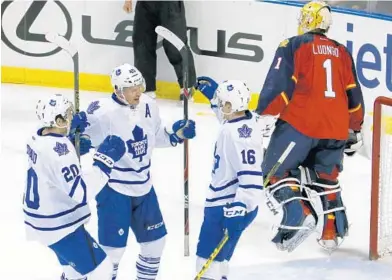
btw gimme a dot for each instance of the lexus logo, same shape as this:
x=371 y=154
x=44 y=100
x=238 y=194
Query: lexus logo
x=18 y=34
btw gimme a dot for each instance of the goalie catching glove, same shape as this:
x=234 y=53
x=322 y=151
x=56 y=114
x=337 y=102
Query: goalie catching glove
x=354 y=142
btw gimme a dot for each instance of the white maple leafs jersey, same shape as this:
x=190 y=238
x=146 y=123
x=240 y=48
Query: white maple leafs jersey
x=57 y=191
x=238 y=154
x=141 y=129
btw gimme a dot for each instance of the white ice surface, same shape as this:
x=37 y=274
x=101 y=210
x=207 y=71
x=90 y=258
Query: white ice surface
x=255 y=257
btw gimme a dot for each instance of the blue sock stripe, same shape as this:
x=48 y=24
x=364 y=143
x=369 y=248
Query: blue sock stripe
x=150 y=260
x=146 y=274
x=146 y=268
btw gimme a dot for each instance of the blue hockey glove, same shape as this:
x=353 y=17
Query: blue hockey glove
x=207 y=86
x=79 y=121
x=85 y=143
x=108 y=152
x=183 y=129
x=235 y=219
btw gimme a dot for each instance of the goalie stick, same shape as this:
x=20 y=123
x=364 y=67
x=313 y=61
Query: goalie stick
x=226 y=236
x=64 y=44
x=184 y=52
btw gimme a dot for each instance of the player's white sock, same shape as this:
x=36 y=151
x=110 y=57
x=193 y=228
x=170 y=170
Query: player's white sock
x=225 y=269
x=69 y=273
x=147 y=267
x=115 y=269
x=63 y=277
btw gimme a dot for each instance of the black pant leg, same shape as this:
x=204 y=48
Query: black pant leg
x=145 y=42
x=172 y=16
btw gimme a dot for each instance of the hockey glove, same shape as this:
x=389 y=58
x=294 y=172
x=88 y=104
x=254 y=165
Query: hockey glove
x=182 y=129
x=110 y=151
x=235 y=219
x=353 y=143
x=79 y=121
x=207 y=86
x=268 y=124
x=85 y=143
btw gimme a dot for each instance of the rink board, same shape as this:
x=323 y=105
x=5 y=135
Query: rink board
x=223 y=48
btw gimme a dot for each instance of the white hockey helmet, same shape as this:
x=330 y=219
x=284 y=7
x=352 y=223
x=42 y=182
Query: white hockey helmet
x=236 y=92
x=48 y=110
x=126 y=75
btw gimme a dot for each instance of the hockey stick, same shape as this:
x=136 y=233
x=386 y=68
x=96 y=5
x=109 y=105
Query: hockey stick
x=73 y=52
x=184 y=52
x=226 y=236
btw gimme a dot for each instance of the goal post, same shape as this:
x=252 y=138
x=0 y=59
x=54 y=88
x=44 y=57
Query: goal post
x=381 y=189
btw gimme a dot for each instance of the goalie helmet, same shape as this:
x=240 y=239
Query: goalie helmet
x=126 y=75
x=49 y=110
x=233 y=91
x=314 y=15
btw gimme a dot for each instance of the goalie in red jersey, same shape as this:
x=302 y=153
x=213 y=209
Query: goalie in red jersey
x=312 y=85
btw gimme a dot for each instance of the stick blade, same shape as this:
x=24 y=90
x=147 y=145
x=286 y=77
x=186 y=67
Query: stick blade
x=60 y=41
x=170 y=36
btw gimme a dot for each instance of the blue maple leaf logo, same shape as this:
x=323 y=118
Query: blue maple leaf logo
x=52 y=102
x=61 y=149
x=93 y=107
x=139 y=145
x=245 y=131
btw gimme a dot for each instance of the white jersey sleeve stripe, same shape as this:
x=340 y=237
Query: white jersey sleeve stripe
x=81 y=195
x=122 y=169
x=217 y=189
x=258 y=187
x=130 y=182
x=220 y=198
x=58 y=227
x=247 y=172
x=54 y=215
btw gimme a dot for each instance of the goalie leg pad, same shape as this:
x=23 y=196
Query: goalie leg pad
x=335 y=218
x=299 y=220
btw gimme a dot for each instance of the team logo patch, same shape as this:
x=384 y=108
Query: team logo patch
x=245 y=131
x=61 y=149
x=230 y=87
x=52 y=102
x=118 y=72
x=139 y=145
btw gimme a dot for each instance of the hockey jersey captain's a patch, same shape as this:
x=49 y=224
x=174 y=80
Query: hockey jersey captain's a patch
x=245 y=131
x=61 y=149
x=138 y=147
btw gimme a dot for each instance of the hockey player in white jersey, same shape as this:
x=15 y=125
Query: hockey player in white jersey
x=129 y=200
x=57 y=191
x=237 y=179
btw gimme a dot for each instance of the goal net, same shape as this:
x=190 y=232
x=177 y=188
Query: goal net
x=381 y=197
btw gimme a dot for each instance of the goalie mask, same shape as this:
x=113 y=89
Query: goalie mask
x=314 y=15
x=48 y=111
x=127 y=78
x=234 y=92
